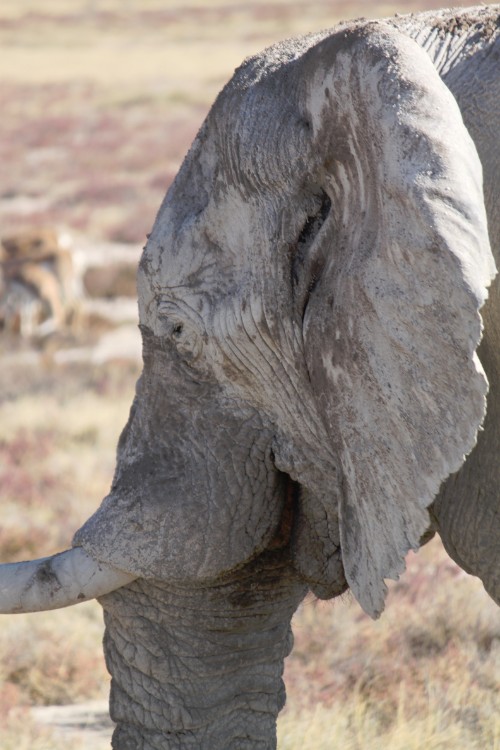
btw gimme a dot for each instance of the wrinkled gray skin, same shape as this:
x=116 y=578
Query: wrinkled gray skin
x=309 y=303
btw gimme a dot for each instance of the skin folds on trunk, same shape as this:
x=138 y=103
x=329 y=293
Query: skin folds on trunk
x=196 y=645
x=200 y=668
x=195 y=492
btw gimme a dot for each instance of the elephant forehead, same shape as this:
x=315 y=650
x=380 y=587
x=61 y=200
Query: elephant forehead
x=204 y=261
x=262 y=133
x=264 y=117
x=222 y=220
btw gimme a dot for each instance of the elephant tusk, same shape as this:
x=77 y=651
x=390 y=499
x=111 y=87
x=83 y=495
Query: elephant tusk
x=61 y=580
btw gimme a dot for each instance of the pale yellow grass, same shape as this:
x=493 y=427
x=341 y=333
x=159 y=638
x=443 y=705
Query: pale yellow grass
x=353 y=728
x=54 y=657
x=77 y=469
x=426 y=675
x=182 y=53
x=89 y=423
x=21 y=733
x=17 y=8
x=185 y=55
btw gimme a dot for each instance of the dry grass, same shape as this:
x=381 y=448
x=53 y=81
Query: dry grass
x=99 y=103
x=58 y=432
x=53 y=658
x=19 y=732
x=427 y=674
x=57 y=452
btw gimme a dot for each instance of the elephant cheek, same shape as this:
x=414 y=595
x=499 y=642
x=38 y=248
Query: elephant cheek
x=316 y=544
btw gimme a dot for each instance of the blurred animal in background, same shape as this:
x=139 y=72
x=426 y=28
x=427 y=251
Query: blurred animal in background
x=38 y=284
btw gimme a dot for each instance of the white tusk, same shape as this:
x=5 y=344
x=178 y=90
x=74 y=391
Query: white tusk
x=58 y=581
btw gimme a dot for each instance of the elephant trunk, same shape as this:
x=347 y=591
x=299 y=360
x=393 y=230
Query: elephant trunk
x=53 y=582
x=201 y=667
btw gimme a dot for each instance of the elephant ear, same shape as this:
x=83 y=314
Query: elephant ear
x=391 y=323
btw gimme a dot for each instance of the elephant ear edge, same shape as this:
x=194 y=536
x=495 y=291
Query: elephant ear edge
x=392 y=325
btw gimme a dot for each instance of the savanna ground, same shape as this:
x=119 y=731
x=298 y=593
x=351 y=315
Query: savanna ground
x=98 y=102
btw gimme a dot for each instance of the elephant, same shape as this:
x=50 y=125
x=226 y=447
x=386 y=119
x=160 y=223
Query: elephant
x=320 y=389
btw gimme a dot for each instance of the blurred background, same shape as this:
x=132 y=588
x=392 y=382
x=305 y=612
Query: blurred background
x=99 y=101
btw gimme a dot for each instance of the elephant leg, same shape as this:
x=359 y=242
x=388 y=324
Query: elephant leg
x=201 y=667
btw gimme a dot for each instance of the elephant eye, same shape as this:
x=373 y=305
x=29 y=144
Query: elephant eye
x=186 y=340
x=178 y=332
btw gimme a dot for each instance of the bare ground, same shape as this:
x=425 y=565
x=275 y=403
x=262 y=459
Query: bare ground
x=86 y=724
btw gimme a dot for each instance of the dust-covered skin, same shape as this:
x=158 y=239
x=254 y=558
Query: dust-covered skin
x=309 y=302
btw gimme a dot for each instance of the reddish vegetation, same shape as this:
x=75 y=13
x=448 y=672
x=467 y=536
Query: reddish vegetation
x=74 y=155
x=100 y=170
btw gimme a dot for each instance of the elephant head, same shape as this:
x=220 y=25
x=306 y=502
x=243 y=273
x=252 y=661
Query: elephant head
x=309 y=305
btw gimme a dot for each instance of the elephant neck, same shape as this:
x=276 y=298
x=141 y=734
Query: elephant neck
x=201 y=667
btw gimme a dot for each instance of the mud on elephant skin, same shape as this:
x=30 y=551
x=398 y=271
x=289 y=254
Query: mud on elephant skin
x=309 y=302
